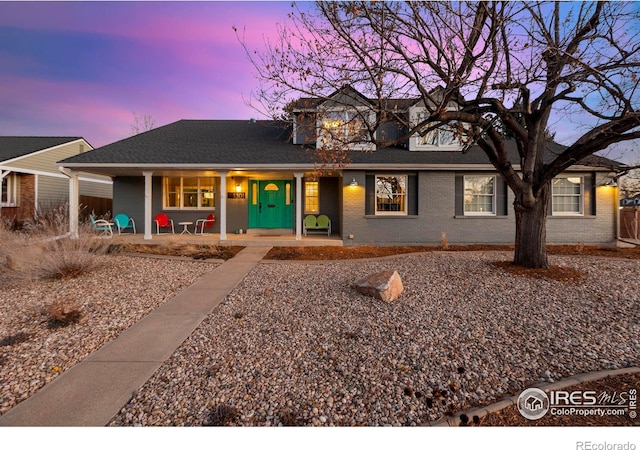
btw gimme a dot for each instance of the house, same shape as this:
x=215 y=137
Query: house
x=259 y=175
x=32 y=182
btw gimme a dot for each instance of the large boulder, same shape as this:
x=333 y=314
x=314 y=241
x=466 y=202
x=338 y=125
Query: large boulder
x=386 y=286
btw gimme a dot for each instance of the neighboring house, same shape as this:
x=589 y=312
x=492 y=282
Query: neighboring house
x=258 y=175
x=32 y=182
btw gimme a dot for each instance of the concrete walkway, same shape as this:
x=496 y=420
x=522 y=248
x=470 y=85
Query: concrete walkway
x=94 y=390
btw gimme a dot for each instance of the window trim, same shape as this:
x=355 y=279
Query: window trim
x=316 y=196
x=181 y=207
x=580 y=197
x=405 y=194
x=325 y=135
x=11 y=190
x=418 y=139
x=493 y=197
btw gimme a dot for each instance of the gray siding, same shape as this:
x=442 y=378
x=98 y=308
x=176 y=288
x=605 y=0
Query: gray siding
x=437 y=214
x=128 y=198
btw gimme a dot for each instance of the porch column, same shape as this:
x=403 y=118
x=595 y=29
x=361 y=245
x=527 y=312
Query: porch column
x=2 y=175
x=298 y=176
x=74 y=203
x=223 y=204
x=147 y=204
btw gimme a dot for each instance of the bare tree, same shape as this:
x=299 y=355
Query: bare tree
x=142 y=124
x=508 y=66
x=630 y=185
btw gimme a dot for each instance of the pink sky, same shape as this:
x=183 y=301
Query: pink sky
x=83 y=68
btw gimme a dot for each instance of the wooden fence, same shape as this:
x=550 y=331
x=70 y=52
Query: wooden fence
x=630 y=223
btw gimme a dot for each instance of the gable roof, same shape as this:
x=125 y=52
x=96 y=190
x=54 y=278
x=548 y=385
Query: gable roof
x=236 y=144
x=15 y=146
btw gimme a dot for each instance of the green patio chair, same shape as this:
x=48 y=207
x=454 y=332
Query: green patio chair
x=324 y=223
x=309 y=223
x=123 y=223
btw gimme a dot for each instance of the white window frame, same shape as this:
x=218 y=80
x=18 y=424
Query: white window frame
x=325 y=134
x=579 y=196
x=418 y=140
x=492 y=195
x=405 y=195
x=181 y=206
x=316 y=210
x=11 y=190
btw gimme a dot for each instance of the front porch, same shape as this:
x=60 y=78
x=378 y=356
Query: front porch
x=243 y=240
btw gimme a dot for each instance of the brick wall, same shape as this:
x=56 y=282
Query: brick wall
x=26 y=196
x=436 y=214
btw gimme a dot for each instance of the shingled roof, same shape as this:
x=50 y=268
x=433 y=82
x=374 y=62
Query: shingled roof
x=15 y=146
x=220 y=143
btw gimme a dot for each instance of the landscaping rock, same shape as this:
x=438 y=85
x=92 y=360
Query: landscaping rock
x=386 y=286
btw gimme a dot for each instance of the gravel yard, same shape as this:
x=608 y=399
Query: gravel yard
x=111 y=299
x=294 y=344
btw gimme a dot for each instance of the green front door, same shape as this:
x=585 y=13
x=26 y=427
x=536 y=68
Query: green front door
x=270 y=204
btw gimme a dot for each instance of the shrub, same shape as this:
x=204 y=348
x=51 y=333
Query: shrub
x=444 y=243
x=44 y=250
x=62 y=313
x=221 y=415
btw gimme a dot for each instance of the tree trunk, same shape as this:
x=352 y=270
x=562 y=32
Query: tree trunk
x=531 y=231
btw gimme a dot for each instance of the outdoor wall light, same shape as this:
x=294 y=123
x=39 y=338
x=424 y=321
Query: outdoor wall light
x=238 y=187
x=353 y=182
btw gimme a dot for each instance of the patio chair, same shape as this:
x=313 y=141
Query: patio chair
x=309 y=223
x=205 y=223
x=324 y=222
x=163 y=221
x=123 y=223
x=101 y=225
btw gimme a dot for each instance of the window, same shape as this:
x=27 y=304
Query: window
x=9 y=190
x=480 y=195
x=391 y=195
x=567 y=195
x=441 y=138
x=311 y=197
x=188 y=193
x=344 y=126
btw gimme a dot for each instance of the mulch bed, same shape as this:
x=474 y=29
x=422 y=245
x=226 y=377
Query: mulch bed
x=365 y=251
x=195 y=251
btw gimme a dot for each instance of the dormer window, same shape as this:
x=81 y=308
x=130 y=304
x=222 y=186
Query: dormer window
x=440 y=137
x=344 y=126
x=443 y=136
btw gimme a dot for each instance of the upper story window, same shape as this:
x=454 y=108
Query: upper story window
x=391 y=195
x=340 y=127
x=9 y=190
x=479 y=195
x=567 y=196
x=188 y=193
x=439 y=137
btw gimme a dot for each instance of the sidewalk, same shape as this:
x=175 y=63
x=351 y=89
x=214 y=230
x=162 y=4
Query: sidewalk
x=94 y=390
